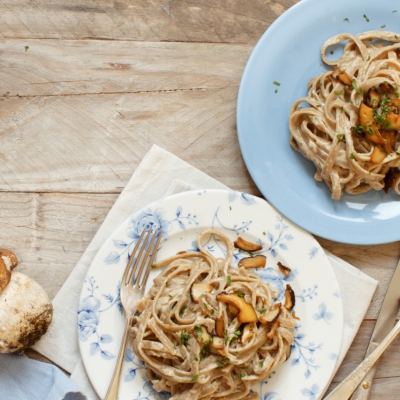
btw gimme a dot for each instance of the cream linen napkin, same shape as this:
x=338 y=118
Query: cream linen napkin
x=159 y=174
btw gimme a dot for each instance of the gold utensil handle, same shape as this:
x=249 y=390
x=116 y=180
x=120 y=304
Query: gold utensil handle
x=112 y=392
x=364 y=389
x=347 y=387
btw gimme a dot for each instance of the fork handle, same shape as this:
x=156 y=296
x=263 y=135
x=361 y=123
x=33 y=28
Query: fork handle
x=113 y=388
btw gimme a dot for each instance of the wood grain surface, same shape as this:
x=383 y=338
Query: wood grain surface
x=86 y=87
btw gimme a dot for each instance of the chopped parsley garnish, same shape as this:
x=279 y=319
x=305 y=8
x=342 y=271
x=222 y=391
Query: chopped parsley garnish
x=352 y=156
x=264 y=233
x=394 y=11
x=240 y=293
x=339 y=93
x=184 y=338
x=237 y=333
x=276 y=90
x=366 y=18
x=26 y=48
x=226 y=336
x=262 y=310
x=230 y=207
x=195 y=357
x=153 y=266
x=356 y=88
x=220 y=364
x=369 y=57
x=340 y=137
x=383 y=26
x=397 y=153
x=346 y=20
x=276 y=83
x=199 y=330
x=242 y=376
x=261 y=364
x=331 y=52
x=194 y=378
x=228 y=280
x=183 y=309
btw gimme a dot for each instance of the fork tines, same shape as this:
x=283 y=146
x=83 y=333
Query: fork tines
x=141 y=259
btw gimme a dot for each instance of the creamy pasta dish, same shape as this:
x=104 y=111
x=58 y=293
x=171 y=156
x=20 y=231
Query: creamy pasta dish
x=208 y=330
x=348 y=124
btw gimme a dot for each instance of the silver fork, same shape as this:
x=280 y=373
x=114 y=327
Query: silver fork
x=132 y=289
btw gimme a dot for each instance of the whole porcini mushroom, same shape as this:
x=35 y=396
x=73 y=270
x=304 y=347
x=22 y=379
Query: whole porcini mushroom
x=25 y=308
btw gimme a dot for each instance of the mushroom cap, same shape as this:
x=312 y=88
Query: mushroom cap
x=25 y=313
x=8 y=261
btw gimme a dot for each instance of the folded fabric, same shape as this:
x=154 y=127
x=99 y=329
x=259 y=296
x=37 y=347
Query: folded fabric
x=160 y=174
x=22 y=378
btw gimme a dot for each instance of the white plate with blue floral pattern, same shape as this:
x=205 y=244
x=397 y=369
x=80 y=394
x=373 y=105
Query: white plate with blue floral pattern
x=318 y=336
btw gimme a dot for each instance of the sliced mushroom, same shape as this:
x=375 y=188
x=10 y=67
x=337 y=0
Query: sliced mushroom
x=233 y=309
x=217 y=343
x=373 y=98
x=344 y=78
x=393 y=120
x=288 y=351
x=220 y=326
x=271 y=315
x=377 y=155
x=290 y=299
x=201 y=335
x=285 y=270
x=258 y=261
x=273 y=330
x=246 y=310
x=390 y=138
x=245 y=245
x=367 y=120
x=198 y=289
x=248 y=332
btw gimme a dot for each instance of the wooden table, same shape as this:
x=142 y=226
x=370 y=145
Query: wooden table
x=88 y=86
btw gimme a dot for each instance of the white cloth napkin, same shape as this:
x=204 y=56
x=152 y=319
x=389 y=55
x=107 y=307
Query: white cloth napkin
x=159 y=174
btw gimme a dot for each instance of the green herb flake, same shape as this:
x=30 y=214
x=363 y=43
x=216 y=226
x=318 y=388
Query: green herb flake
x=261 y=364
x=276 y=83
x=394 y=11
x=237 y=333
x=195 y=357
x=183 y=309
x=220 y=364
x=356 y=88
x=397 y=153
x=226 y=336
x=331 y=52
x=264 y=233
x=262 y=310
x=153 y=266
x=184 y=338
x=170 y=296
x=276 y=90
x=228 y=280
x=242 y=376
x=194 y=378
x=26 y=48
x=240 y=293
x=383 y=26
x=369 y=57
x=366 y=18
x=346 y=20
x=230 y=207
x=352 y=156
x=396 y=36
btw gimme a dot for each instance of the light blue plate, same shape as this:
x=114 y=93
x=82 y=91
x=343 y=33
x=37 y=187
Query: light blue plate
x=288 y=53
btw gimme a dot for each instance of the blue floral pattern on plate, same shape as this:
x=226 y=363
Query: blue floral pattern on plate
x=182 y=217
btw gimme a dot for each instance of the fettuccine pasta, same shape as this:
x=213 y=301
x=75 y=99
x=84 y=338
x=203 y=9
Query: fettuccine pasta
x=350 y=128
x=208 y=330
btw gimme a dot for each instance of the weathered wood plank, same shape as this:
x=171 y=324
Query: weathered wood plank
x=55 y=67
x=94 y=143
x=155 y=20
x=50 y=232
